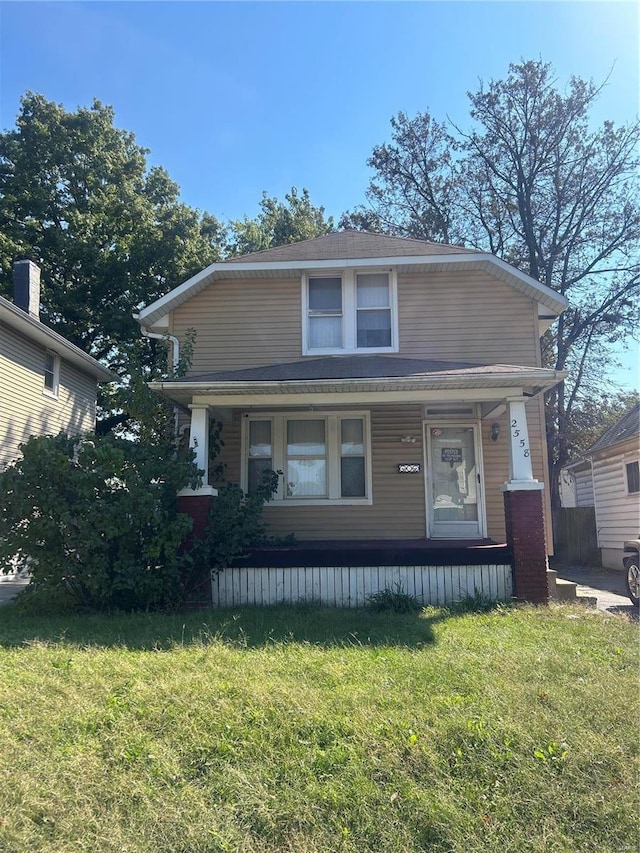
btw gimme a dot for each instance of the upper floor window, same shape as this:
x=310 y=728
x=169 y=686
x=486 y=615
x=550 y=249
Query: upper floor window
x=350 y=312
x=633 y=478
x=51 y=373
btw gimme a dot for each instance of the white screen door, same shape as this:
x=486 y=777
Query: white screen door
x=453 y=482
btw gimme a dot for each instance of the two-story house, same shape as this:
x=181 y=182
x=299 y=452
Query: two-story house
x=395 y=383
x=47 y=385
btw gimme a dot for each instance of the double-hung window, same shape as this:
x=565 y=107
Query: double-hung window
x=51 y=373
x=350 y=312
x=323 y=459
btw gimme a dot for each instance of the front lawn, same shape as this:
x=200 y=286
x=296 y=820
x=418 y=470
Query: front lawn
x=301 y=729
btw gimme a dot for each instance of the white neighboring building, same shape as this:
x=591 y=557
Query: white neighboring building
x=607 y=477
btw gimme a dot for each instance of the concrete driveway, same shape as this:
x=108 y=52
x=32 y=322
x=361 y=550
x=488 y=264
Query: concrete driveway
x=607 y=585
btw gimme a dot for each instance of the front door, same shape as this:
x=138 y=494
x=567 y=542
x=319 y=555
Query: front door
x=454 y=493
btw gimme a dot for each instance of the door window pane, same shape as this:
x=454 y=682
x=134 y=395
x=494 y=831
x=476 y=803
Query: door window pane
x=453 y=474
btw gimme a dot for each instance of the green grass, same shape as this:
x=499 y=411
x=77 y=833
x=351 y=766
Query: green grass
x=298 y=729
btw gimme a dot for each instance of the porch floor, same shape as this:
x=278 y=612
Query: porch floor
x=379 y=552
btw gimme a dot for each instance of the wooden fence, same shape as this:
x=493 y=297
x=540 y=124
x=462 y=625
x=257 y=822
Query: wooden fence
x=575 y=537
x=341 y=586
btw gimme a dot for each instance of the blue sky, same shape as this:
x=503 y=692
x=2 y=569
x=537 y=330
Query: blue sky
x=234 y=98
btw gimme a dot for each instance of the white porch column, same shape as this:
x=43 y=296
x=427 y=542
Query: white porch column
x=199 y=438
x=520 y=469
x=199 y=442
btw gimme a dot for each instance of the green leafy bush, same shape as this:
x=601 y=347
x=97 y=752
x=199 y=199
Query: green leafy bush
x=97 y=521
x=236 y=520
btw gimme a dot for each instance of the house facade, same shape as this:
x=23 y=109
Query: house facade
x=607 y=477
x=47 y=385
x=396 y=384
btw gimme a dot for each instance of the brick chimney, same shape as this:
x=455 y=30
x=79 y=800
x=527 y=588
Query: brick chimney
x=26 y=287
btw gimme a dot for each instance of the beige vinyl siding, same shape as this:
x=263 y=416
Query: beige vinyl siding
x=25 y=410
x=617 y=513
x=458 y=317
x=447 y=316
x=242 y=324
x=398 y=510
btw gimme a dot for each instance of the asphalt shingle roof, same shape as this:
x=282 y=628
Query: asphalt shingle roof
x=627 y=427
x=352 y=367
x=350 y=244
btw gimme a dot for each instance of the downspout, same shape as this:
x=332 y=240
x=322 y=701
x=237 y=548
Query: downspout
x=158 y=336
x=175 y=352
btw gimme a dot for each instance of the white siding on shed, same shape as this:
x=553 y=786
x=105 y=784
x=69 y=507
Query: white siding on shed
x=617 y=513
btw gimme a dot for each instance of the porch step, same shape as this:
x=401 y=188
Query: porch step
x=560 y=590
x=567 y=591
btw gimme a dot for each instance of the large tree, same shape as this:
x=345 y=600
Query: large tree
x=279 y=223
x=77 y=197
x=533 y=181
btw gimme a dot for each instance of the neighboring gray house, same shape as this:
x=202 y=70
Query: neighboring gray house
x=607 y=478
x=47 y=385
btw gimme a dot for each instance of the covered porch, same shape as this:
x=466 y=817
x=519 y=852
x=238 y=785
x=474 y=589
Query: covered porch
x=444 y=471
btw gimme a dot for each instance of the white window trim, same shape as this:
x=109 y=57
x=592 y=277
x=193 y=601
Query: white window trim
x=349 y=312
x=52 y=392
x=279 y=455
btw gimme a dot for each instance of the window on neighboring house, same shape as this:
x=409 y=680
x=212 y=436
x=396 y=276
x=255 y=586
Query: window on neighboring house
x=633 y=478
x=51 y=373
x=350 y=312
x=322 y=458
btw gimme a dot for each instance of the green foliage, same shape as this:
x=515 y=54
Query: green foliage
x=279 y=223
x=394 y=600
x=110 y=234
x=592 y=416
x=236 y=521
x=531 y=180
x=96 y=519
x=292 y=730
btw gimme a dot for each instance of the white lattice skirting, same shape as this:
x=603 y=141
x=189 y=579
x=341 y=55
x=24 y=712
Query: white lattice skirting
x=339 y=586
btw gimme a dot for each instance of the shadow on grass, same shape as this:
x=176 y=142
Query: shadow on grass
x=248 y=627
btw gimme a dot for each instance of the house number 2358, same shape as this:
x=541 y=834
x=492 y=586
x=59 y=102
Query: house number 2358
x=515 y=432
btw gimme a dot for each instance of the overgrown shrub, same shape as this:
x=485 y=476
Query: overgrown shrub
x=97 y=520
x=236 y=521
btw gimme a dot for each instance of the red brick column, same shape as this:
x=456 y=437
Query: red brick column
x=197 y=505
x=524 y=519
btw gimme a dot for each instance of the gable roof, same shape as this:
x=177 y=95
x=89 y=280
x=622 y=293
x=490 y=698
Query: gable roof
x=627 y=427
x=351 y=244
x=343 y=249
x=42 y=335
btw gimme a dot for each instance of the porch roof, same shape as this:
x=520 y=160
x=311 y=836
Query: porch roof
x=361 y=375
